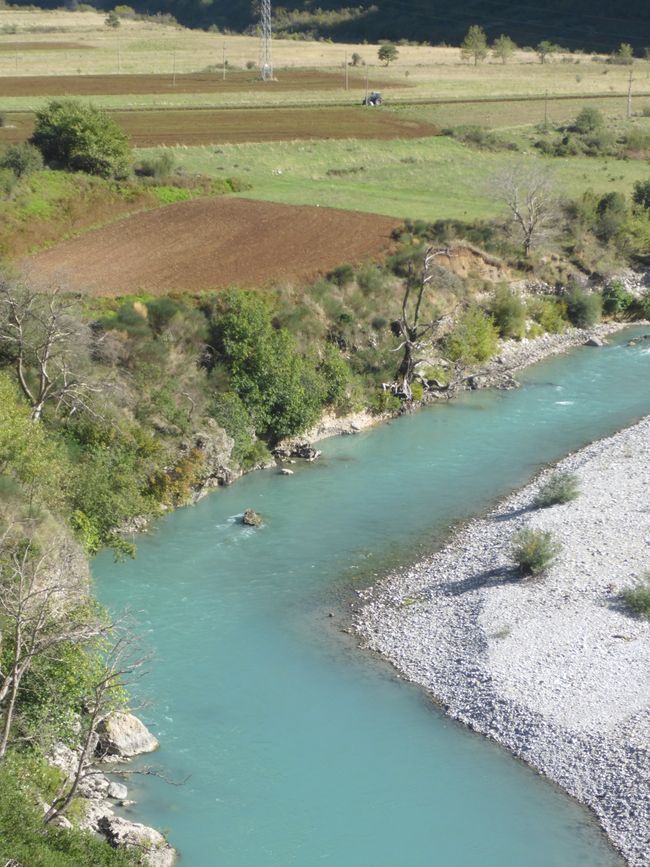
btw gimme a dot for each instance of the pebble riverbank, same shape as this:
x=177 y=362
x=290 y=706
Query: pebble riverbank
x=554 y=668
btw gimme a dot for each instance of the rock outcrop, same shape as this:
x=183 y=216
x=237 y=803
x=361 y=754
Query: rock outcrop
x=251 y=518
x=123 y=834
x=122 y=735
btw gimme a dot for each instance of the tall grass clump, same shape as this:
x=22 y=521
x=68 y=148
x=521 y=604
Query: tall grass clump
x=637 y=599
x=534 y=551
x=560 y=488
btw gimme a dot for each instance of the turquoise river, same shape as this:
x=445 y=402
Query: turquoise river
x=296 y=747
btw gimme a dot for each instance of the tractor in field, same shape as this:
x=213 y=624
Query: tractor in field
x=373 y=98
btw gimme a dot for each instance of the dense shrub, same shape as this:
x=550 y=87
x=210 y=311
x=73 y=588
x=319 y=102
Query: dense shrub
x=22 y=159
x=342 y=275
x=82 y=138
x=230 y=412
x=616 y=298
x=549 y=312
x=335 y=375
x=637 y=599
x=583 y=308
x=160 y=166
x=282 y=391
x=508 y=312
x=474 y=338
x=589 y=120
x=25 y=779
x=641 y=194
x=560 y=488
x=534 y=551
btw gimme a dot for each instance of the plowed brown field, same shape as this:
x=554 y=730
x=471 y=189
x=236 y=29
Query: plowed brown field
x=148 y=128
x=192 y=82
x=212 y=244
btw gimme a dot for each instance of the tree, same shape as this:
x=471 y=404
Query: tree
x=412 y=332
x=40 y=609
x=527 y=193
x=113 y=20
x=546 y=49
x=503 y=48
x=387 y=53
x=47 y=345
x=474 y=45
x=589 y=120
x=22 y=159
x=105 y=694
x=82 y=138
x=474 y=338
x=624 y=55
x=356 y=59
x=641 y=194
x=281 y=390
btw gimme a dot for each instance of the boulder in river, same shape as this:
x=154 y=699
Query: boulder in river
x=595 y=341
x=122 y=735
x=122 y=834
x=251 y=518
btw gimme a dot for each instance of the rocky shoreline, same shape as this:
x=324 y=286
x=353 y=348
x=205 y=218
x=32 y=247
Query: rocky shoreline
x=554 y=669
x=120 y=737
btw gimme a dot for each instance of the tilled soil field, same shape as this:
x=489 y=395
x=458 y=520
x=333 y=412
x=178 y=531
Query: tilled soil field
x=148 y=128
x=192 y=82
x=212 y=244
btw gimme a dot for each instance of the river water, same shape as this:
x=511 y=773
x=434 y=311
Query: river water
x=296 y=747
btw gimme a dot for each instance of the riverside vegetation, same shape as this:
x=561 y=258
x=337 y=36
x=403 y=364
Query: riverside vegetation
x=115 y=409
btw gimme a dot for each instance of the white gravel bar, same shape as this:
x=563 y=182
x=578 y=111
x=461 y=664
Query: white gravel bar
x=552 y=668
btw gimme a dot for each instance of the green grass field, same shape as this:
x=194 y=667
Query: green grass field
x=426 y=179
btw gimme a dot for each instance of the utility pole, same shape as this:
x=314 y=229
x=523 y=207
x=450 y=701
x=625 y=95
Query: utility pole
x=266 y=60
x=223 y=60
x=174 y=68
x=629 y=95
x=366 y=100
x=119 y=55
x=346 y=71
x=546 y=108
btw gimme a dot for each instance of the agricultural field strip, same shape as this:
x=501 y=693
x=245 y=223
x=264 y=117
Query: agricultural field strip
x=7 y=103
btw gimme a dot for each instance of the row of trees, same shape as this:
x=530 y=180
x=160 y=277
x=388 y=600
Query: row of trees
x=475 y=47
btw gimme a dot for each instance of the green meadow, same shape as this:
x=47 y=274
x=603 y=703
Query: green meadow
x=432 y=178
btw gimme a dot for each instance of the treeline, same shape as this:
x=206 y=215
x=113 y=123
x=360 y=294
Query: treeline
x=576 y=25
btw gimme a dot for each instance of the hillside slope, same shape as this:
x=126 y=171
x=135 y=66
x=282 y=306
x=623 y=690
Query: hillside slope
x=595 y=25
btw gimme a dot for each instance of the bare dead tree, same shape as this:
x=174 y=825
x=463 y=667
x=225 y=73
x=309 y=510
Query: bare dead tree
x=40 y=610
x=414 y=333
x=48 y=346
x=528 y=195
x=121 y=665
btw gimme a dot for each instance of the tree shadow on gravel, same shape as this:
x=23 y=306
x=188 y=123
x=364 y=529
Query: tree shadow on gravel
x=489 y=578
x=515 y=513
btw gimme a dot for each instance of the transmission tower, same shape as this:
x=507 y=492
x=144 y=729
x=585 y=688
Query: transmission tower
x=266 y=60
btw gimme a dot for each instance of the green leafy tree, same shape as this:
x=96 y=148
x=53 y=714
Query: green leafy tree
x=387 y=53
x=474 y=46
x=82 y=138
x=641 y=194
x=616 y=299
x=22 y=159
x=356 y=59
x=503 y=48
x=624 y=54
x=282 y=391
x=474 y=339
x=546 y=49
x=584 y=309
x=508 y=312
x=589 y=120
x=113 y=20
